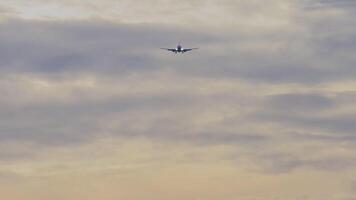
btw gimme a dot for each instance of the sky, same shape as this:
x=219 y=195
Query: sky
x=91 y=107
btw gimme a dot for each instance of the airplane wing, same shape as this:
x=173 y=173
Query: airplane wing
x=185 y=50
x=172 y=50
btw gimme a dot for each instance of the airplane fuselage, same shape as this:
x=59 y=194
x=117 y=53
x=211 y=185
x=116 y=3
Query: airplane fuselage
x=179 y=49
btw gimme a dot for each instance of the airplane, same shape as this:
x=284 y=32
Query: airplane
x=179 y=49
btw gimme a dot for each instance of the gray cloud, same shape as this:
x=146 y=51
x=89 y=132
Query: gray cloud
x=344 y=124
x=204 y=138
x=55 y=49
x=66 y=123
x=353 y=187
x=310 y=111
x=117 y=49
x=53 y=124
x=10 y=155
x=319 y=4
x=59 y=47
x=284 y=163
x=271 y=88
x=300 y=102
x=324 y=137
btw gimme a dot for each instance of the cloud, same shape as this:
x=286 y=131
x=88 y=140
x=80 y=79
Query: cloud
x=10 y=177
x=300 y=102
x=50 y=47
x=314 y=111
x=335 y=4
x=6 y=12
x=270 y=88
x=284 y=163
x=284 y=56
x=324 y=137
x=72 y=80
x=188 y=13
x=341 y=124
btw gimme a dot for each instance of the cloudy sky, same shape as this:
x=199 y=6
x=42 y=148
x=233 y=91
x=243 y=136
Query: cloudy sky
x=91 y=108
